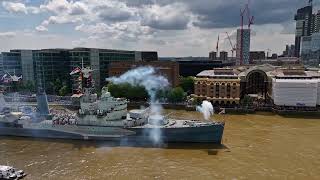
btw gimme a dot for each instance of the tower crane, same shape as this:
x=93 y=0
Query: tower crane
x=233 y=48
x=250 y=22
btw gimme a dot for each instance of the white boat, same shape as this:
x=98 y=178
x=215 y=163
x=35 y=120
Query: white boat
x=8 y=172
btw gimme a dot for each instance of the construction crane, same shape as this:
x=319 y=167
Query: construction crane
x=233 y=48
x=250 y=22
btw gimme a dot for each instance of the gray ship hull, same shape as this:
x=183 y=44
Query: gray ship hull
x=205 y=134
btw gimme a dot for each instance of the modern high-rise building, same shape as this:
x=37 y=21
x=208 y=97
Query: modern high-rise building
x=44 y=68
x=27 y=67
x=317 y=22
x=51 y=65
x=304 y=26
x=257 y=55
x=310 y=49
x=243 y=47
x=12 y=62
x=99 y=60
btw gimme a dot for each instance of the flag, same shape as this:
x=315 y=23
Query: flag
x=75 y=71
x=4 y=76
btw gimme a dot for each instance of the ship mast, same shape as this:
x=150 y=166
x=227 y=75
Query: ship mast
x=84 y=77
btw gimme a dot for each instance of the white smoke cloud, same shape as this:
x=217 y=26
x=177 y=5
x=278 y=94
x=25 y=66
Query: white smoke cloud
x=147 y=77
x=206 y=109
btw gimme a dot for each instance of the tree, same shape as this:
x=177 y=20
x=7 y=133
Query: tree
x=29 y=86
x=55 y=86
x=176 y=95
x=187 y=84
x=63 y=91
x=127 y=91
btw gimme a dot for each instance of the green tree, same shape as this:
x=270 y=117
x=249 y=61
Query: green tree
x=176 y=95
x=127 y=91
x=55 y=86
x=63 y=91
x=187 y=84
x=29 y=86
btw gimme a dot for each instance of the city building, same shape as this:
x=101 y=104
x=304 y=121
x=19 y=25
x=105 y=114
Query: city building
x=51 y=65
x=296 y=88
x=18 y=62
x=219 y=86
x=223 y=56
x=27 y=67
x=11 y=62
x=257 y=55
x=44 y=67
x=169 y=69
x=317 y=22
x=289 y=51
x=310 y=48
x=280 y=61
x=304 y=25
x=243 y=47
x=193 y=67
x=255 y=80
x=212 y=55
x=99 y=60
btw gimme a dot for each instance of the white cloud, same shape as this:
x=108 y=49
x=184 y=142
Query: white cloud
x=7 y=34
x=18 y=7
x=15 y=7
x=56 y=6
x=165 y=26
x=41 y=28
x=169 y=17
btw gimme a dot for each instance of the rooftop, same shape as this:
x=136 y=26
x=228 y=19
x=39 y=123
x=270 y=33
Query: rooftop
x=219 y=72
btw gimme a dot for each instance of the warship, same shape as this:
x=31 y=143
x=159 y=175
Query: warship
x=105 y=118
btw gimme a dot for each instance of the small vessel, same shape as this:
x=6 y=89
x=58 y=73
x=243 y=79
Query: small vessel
x=8 y=172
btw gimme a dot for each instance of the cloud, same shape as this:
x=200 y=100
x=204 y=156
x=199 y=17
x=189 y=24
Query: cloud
x=78 y=8
x=56 y=6
x=173 y=27
x=41 y=28
x=17 y=7
x=7 y=34
x=169 y=17
x=14 y=7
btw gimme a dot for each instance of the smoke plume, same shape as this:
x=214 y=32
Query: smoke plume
x=206 y=109
x=146 y=77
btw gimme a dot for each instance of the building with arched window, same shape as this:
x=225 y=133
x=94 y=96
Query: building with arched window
x=219 y=86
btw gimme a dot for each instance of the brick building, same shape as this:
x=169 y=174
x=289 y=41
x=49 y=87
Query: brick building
x=220 y=86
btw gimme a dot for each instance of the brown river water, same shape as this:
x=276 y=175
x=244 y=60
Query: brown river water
x=259 y=146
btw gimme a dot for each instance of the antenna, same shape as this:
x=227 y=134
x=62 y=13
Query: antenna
x=82 y=62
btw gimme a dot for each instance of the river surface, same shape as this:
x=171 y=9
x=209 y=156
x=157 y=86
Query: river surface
x=259 y=146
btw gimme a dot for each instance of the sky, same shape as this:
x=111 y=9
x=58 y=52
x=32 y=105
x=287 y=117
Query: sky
x=171 y=27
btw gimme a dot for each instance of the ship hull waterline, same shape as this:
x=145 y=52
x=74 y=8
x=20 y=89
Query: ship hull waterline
x=205 y=134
